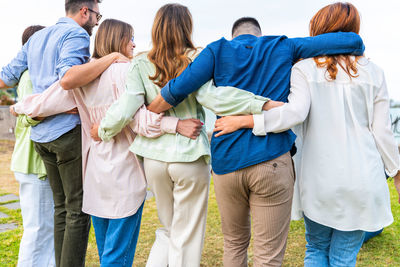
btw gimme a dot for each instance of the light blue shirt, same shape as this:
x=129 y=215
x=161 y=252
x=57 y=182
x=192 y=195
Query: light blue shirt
x=48 y=55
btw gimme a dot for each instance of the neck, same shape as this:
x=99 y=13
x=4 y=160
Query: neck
x=244 y=33
x=76 y=18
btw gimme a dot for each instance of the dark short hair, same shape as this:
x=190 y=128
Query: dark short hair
x=245 y=20
x=73 y=6
x=28 y=32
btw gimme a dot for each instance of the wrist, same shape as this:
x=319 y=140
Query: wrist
x=247 y=122
x=169 y=124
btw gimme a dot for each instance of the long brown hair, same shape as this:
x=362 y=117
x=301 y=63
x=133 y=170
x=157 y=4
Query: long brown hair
x=112 y=36
x=172 y=42
x=337 y=17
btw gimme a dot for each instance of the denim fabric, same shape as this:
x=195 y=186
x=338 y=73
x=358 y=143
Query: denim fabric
x=37 y=210
x=117 y=238
x=63 y=161
x=328 y=247
x=259 y=65
x=48 y=55
x=369 y=235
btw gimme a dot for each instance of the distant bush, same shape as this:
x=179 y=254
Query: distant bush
x=6 y=98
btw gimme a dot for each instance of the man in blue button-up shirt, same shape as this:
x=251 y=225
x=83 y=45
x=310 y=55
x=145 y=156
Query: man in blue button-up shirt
x=253 y=174
x=61 y=52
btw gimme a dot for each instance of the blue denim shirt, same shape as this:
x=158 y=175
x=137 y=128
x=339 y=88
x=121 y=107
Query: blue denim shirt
x=262 y=66
x=48 y=55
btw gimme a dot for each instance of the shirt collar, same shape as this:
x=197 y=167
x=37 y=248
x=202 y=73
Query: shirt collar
x=245 y=37
x=67 y=21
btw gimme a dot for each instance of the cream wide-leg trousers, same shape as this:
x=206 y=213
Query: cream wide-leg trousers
x=181 y=192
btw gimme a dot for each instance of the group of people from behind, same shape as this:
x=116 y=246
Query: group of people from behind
x=98 y=126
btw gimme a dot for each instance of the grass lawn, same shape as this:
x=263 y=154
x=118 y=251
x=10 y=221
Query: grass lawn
x=383 y=250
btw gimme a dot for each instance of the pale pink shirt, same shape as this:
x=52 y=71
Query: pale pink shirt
x=114 y=184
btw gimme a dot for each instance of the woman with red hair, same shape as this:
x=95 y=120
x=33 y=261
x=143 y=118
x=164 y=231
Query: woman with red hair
x=344 y=142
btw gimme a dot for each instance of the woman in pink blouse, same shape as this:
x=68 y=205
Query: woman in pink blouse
x=114 y=183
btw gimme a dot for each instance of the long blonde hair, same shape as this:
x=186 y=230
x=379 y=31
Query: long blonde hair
x=172 y=41
x=112 y=36
x=337 y=17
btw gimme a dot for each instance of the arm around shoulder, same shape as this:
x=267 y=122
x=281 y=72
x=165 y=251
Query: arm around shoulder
x=226 y=100
x=80 y=75
x=284 y=117
x=122 y=111
x=333 y=43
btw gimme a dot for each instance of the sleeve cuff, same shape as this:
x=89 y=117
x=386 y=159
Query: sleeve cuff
x=28 y=121
x=169 y=124
x=102 y=134
x=259 y=128
x=392 y=173
x=18 y=108
x=257 y=105
x=168 y=97
x=32 y=122
x=62 y=72
x=7 y=80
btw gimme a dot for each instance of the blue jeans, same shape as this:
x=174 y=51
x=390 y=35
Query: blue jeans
x=117 y=238
x=328 y=247
x=369 y=235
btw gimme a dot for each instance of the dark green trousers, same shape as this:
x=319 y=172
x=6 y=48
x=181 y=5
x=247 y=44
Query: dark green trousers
x=63 y=161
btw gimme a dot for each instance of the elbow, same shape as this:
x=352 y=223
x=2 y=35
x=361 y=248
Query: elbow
x=66 y=83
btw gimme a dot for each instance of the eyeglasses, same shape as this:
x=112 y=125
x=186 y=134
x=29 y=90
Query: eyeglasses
x=133 y=39
x=98 y=15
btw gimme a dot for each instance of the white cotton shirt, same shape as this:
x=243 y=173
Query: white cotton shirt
x=344 y=145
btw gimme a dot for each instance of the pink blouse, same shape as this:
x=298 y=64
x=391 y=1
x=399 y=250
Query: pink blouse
x=114 y=184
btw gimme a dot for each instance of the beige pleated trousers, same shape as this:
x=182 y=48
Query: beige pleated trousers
x=265 y=192
x=181 y=192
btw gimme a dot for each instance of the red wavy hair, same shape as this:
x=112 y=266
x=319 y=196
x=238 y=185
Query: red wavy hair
x=172 y=42
x=337 y=17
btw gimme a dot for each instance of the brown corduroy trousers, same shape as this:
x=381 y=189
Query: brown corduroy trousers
x=264 y=192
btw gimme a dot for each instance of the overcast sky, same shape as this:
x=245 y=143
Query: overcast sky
x=380 y=23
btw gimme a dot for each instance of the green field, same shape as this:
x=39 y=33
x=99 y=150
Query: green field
x=380 y=251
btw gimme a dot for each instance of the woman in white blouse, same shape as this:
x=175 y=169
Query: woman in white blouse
x=345 y=142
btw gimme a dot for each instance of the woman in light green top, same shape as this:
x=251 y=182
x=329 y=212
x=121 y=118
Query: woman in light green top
x=36 y=198
x=176 y=166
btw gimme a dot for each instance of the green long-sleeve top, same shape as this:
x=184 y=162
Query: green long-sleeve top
x=24 y=158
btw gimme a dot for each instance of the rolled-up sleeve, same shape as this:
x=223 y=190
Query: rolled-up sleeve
x=74 y=51
x=192 y=78
x=11 y=73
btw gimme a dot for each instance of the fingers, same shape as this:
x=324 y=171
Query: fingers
x=218 y=134
x=195 y=134
x=39 y=118
x=122 y=59
x=12 y=111
x=218 y=128
x=72 y=111
x=94 y=132
x=221 y=133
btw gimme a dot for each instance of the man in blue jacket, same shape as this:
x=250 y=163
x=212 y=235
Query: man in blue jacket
x=253 y=175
